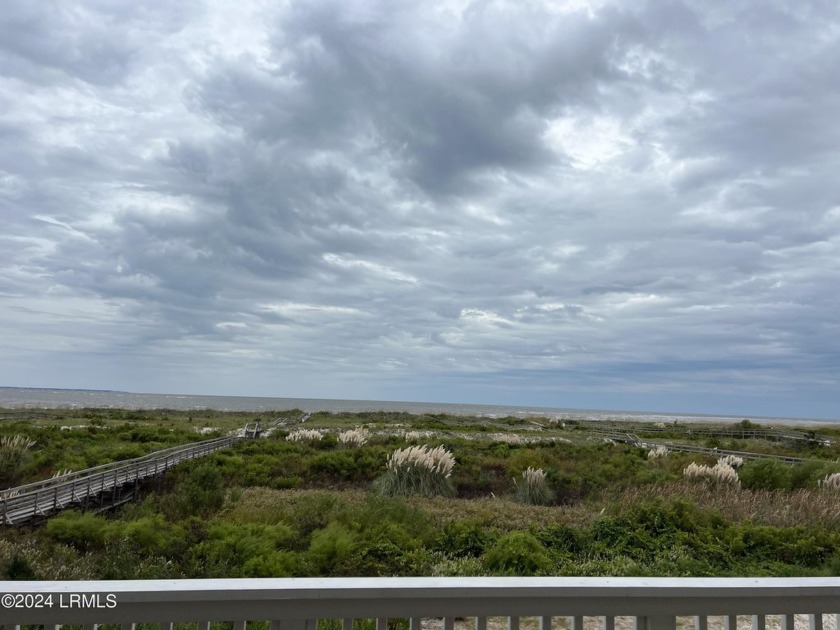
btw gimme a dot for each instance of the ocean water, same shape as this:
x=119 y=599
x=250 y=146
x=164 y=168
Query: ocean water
x=22 y=397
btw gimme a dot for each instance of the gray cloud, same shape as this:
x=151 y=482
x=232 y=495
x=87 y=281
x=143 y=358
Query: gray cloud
x=482 y=201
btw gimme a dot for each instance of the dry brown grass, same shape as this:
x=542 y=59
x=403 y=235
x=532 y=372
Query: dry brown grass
x=266 y=505
x=781 y=508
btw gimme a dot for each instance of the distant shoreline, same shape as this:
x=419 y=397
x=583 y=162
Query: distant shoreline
x=55 y=398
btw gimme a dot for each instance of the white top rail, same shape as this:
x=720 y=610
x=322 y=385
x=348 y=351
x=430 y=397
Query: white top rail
x=348 y=598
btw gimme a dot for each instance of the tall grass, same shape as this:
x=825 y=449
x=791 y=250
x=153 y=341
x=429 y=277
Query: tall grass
x=416 y=436
x=418 y=470
x=354 y=437
x=533 y=489
x=731 y=460
x=658 y=451
x=14 y=450
x=305 y=435
x=831 y=482
x=779 y=508
x=720 y=473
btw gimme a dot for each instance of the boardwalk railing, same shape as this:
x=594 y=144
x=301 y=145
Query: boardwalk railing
x=768 y=434
x=42 y=498
x=635 y=440
x=298 y=604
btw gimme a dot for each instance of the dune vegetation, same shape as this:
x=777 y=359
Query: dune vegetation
x=393 y=494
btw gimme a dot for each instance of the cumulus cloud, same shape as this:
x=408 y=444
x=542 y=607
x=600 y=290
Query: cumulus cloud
x=569 y=204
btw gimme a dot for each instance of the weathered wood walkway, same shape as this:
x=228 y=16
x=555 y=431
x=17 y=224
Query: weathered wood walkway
x=769 y=434
x=635 y=440
x=42 y=498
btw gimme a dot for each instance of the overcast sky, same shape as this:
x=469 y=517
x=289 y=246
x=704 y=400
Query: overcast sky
x=630 y=205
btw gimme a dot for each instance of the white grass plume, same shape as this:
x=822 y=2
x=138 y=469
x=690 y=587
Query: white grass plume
x=305 y=435
x=534 y=489
x=658 y=451
x=719 y=473
x=354 y=437
x=731 y=460
x=418 y=470
x=832 y=482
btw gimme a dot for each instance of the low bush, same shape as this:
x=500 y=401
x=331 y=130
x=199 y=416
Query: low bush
x=330 y=548
x=201 y=492
x=766 y=474
x=82 y=530
x=518 y=553
x=464 y=539
x=245 y=550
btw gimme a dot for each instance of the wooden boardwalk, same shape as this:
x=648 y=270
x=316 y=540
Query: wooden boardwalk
x=769 y=434
x=42 y=498
x=634 y=440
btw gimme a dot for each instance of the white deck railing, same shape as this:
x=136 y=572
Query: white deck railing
x=297 y=604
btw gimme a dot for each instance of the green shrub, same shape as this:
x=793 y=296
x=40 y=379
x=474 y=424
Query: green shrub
x=335 y=466
x=391 y=519
x=328 y=442
x=152 y=535
x=285 y=483
x=202 y=492
x=518 y=553
x=561 y=538
x=19 y=568
x=83 y=530
x=330 y=547
x=765 y=474
x=464 y=538
x=273 y=564
x=244 y=550
x=808 y=474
